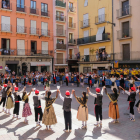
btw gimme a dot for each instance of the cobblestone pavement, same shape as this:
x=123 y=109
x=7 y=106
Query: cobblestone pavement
x=12 y=129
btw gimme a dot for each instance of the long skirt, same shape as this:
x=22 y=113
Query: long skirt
x=115 y=86
x=138 y=106
x=26 y=110
x=9 y=103
x=113 y=111
x=82 y=114
x=49 y=117
x=96 y=85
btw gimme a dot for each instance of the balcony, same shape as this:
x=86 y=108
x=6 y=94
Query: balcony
x=125 y=12
x=25 y=52
x=72 y=25
x=34 y=31
x=72 y=42
x=92 y=39
x=85 y=23
x=60 y=32
x=6 y=28
x=21 y=8
x=72 y=57
x=21 y=30
x=45 y=32
x=124 y=34
x=45 y=14
x=100 y=19
x=60 y=18
x=60 y=61
x=61 y=46
x=7 y=6
x=60 y=3
x=34 y=11
x=72 y=9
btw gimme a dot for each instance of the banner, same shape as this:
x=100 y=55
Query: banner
x=116 y=64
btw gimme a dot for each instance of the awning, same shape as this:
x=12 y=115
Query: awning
x=103 y=47
x=40 y=63
x=99 y=35
x=12 y=62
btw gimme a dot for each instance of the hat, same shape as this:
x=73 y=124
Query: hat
x=133 y=88
x=121 y=75
x=45 y=80
x=67 y=93
x=103 y=74
x=36 y=91
x=16 y=88
x=24 y=76
x=5 y=85
x=97 y=89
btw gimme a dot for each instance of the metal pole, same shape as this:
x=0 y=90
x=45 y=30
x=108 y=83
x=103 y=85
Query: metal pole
x=113 y=31
x=67 y=32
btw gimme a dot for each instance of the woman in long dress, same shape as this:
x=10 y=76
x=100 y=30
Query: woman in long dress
x=113 y=80
x=26 y=108
x=49 y=117
x=10 y=102
x=82 y=114
x=113 y=106
x=96 y=83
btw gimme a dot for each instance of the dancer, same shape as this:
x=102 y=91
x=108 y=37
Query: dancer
x=67 y=109
x=96 y=83
x=67 y=79
x=37 y=107
x=113 y=80
x=77 y=79
x=4 y=95
x=72 y=80
x=113 y=106
x=26 y=108
x=138 y=103
x=9 y=103
x=54 y=78
x=132 y=95
x=82 y=114
x=98 y=104
x=103 y=80
x=49 y=117
x=17 y=103
x=90 y=80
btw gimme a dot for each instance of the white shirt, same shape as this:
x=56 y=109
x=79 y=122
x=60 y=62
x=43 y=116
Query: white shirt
x=95 y=95
x=127 y=92
x=40 y=96
x=62 y=98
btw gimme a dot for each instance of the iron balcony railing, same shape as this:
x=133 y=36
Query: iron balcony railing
x=5 y=27
x=46 y=14
x=25 y=52
x=60 y=18
x=125 y=33
x=72 y=9
x=60 y=32
x=34 y=31
x=72 y=57
x=100 y=19
x=124 y=11
x=21 y=8
x=60 y=61
x=85 y=23
x=34 y=11
x=60 y=3
x=45 y=32
x=92 y=39
x=21 y=29
x=72 y=25
x=6 y=5
x=72 y=41
x=61 y=46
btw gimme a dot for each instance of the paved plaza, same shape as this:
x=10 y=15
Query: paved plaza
x=12 y=129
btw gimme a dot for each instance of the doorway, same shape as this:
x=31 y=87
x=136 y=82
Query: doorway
x=126 y=51
x=70 y=53
x=33 y=47
x=5 y=46
x=24 y=68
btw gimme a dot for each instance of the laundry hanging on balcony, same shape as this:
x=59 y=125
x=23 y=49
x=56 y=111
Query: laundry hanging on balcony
x=99 y=35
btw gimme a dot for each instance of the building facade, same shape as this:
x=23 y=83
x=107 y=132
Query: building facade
x=65 y=19
x=26 y=35
x=126 y=33
x=95 y=34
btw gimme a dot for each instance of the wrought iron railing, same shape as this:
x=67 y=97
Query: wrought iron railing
x=45 y=32
x=100 y=19
x=61 y=46
x=60 y=32
x=21 y=8
x=85 y=23
x=46 y=14
x=72 y=25
x=5 y=27
x=21 y=29
x=34 y=11
x=60 y=61
x=72 y=41
x=72 y=9
x=34 y=31
x=60 y=18
x=125 y=33
x=124 y=11
x=60 y=3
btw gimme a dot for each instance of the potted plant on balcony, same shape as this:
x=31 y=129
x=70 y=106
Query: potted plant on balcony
x=92 y=51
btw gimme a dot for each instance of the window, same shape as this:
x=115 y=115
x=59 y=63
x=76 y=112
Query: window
x=99 y=35
x=86 y=55
x=70 y=36
x=5 y=24
x=70 y=5
x=44 y=47
x=20 y=47
x=125 y=29
x=86 y=69
x=20 y=3
x=44 y=27
x=6 y=4
x=126 y=51
x=59 y=57
x=33 y=4
x=5 y=46
x=20 y=25
x=70 y=22
x=60 y=41
x=125 y=8
x=101 y=15
x=33 y=47
x=33 y=27
x=44 y=7
x=85 y=20
x=59 y=16
x=60 y=31
x=86 y=3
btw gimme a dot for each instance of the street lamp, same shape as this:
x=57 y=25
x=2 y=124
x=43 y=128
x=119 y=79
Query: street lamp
x=108 y=22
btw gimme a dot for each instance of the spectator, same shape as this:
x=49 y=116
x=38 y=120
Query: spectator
x=97 y=54
x=7 y=69
x=62 y=16
x=103 y=55
x=100 y=55
x=4 y=4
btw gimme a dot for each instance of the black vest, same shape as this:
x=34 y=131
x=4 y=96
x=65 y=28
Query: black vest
x=37 y=102
x=67 y=104
x=98 y=100
x=4 y=92
x=16 y=96
x=132 y=96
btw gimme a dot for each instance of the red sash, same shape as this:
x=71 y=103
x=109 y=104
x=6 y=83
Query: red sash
x=39 y=107
x=90 y=82
x=16 y=101
x=67 y=79
x=55 y=79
